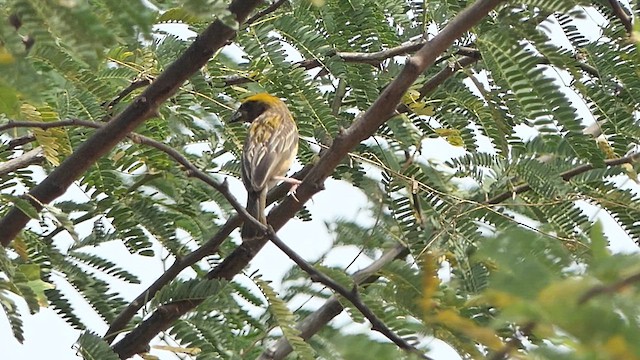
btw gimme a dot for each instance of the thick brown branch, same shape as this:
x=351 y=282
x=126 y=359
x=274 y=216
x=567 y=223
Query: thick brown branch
x=209 y=248
x=622 y=15
x=142 y=108
x=365 y=125
x=565 y=176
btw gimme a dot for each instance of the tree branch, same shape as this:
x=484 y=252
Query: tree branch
x=352 y=296
x=364 y=126
x=208 y=248
x=609 y=289
x=31 y=157
x=143 y=107
x=565 y=176
x=621 y=14
x=126 y=91
x=513 y=343
x=191 y=169
x=374 y=58
x=14 y=143
x=444 y=74
x=310 y=325
x=268 y=10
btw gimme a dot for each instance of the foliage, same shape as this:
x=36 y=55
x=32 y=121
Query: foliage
x=501 y=234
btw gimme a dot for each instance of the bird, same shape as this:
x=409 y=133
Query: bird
x=269 y=150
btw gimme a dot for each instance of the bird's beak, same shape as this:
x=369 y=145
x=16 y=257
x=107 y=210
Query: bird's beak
x=237 y=116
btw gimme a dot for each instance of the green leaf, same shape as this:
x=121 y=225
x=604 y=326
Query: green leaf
x=93 y=347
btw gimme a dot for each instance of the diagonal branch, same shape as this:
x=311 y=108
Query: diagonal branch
x=565 y=176
x=622 y=15
x=332 y=307
x=143 y=107
x=208 y=248
x=31 y=157
x=352 y=295
x=191 y=169
x=609 y=289
x=268 y=10
x=365 y=125
x=134 y=85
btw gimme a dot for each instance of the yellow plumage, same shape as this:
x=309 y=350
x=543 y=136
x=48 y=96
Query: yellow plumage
x=269 y=150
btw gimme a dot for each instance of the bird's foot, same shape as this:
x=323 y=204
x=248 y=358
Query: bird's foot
x=294 y=185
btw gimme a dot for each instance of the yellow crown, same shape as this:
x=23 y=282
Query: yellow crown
x=263 y=97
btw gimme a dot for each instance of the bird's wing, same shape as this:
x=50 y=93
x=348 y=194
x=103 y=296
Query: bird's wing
x=265 y=152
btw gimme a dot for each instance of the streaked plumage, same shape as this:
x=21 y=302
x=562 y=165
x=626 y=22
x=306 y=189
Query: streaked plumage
x=269 y=150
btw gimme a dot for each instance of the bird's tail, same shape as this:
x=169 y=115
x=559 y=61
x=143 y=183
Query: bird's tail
x=256 y=203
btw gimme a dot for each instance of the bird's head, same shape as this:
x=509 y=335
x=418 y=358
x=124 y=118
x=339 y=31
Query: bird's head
x=254 y=106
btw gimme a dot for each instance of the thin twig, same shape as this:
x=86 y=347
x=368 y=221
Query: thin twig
x=128 y=90
x=609 y=289
x=191 y=169
x=352 y=295
x=565 y=176
x=444 y=74
x=513 y=343
x=311 y=324
x=268 y=10
x=14 y=143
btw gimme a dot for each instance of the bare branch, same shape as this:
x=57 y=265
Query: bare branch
x=609 y=289
x=622 y=15
x=126 y=91
x=191 y=169
x=268 y=10
x=332 y=307
x=374 y=58
x=514 y=342
x=14 y=143
x=444 y=74
x=31 y=157
x=352 y=295
x=565 y=176
x=143 y=107
x=365 y=125
x=209 y=248
x=12 y=124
